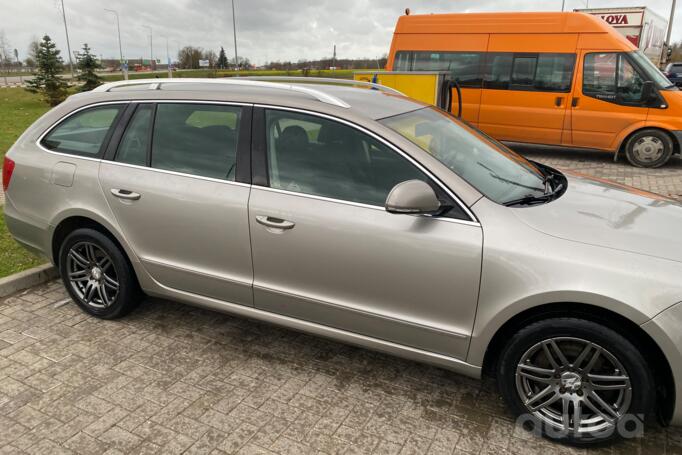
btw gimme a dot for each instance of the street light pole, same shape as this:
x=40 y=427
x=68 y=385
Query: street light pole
x=563 y=4
x=120 y=47
x=664 y=57
x=68 y=45
x=151 y=46
x=234 y=31
x=168 y=60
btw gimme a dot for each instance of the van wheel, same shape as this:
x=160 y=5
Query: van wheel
x=97 y=275
x=649 y=148
x=576 y=381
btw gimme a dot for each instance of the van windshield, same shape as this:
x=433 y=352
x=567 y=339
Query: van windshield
x=497 y=172
x=650 y=70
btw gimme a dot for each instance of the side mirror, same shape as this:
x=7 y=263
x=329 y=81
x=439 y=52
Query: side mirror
x=648 y=91
x=413 y=197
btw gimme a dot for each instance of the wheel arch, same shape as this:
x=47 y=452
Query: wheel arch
x=75 y=220
x=665 y=386
x=620 y=150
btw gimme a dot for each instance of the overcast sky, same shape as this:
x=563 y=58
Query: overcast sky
x=267 y=30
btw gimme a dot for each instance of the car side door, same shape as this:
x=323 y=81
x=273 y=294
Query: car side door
x=173 y=180
x=326 y=251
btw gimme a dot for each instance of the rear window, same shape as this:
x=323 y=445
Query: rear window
x=83 y=133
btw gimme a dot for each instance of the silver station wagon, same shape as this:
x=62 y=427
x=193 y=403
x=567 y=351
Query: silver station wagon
x=349 y=211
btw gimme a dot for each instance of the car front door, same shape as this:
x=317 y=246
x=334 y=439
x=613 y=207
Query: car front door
x=608 y=100
x=326 y=251
x=173 y=185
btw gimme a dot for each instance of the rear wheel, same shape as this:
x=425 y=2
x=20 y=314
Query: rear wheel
x=576 y=381
x=97 y=275
x=649 y=148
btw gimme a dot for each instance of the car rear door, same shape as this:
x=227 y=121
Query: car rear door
x=326 y=251
x=174 y=183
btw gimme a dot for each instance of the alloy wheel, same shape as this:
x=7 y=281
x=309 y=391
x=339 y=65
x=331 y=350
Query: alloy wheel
x=92 y=275
x=573 y=386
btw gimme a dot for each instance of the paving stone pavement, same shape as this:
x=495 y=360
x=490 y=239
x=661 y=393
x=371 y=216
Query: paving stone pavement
x=171 y=378
x=666 y=180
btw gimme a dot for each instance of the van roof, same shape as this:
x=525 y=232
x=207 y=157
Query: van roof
x=532 y=22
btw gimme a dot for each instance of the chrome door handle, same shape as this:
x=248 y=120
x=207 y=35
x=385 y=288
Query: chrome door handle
x=125 y=194
x=276 y=223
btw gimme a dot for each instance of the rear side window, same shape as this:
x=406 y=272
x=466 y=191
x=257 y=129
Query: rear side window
x=83 y=133
x=197 y=139
x=135 y=142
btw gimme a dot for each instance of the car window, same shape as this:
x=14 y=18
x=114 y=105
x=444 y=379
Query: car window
x=313 y=155
x=83 y=133
x=611 y=77
x=465 y=67
x=523 y=72
x=135 y=142
x=630 y=83
x=497 y=172
x=197 y=139
x=599 y=75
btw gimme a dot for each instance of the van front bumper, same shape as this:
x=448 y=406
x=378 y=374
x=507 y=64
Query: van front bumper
x=666 y=331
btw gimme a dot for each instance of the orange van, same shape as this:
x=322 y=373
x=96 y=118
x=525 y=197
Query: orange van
x=564 y=79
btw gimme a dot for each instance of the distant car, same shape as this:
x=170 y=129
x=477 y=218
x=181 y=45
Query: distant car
x=674 y=73
x=367 y=217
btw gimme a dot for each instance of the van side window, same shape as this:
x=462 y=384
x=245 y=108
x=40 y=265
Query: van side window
x=611 y=77
x=498 y=71
x=599 y=76
x=535 y=72
x=464 y=66
x=84 y=133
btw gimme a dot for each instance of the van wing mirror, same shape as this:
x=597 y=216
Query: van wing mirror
x=413 y=197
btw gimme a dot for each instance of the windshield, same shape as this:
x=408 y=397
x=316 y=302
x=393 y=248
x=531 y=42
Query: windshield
x=494 y=170
x=650 y=70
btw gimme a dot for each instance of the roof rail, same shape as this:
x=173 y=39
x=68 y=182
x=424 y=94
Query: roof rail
x=155 y=84
x=325 y=80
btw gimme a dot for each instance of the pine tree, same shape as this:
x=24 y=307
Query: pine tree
x=222 y=59
x=87 y=64
x=46 y=80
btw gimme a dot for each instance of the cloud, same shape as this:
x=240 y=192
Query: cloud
x=266 y=29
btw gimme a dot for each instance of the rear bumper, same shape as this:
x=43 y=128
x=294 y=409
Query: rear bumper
x=666 y=330
x=30 y=233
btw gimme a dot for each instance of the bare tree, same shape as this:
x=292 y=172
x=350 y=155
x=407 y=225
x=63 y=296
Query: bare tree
x=189 y=56
x=212 y=58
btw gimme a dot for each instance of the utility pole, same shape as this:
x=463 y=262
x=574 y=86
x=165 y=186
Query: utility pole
x=168 y=60
x=333 y=65
x=68 y=45
x=664 y=57
x=563 y=5
x=120 y=48
x=151 y=47
x=234 y=31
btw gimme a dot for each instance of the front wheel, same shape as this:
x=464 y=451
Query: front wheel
x=576 y=381
x=97 y=275
x=649 y=148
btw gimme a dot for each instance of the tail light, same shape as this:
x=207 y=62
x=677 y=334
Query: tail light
x=7 y=170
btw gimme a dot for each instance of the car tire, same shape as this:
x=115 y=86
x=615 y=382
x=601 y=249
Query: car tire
x=525 y=371
x=649 y=148
x=97 y=274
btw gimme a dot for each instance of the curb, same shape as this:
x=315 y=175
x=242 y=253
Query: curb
x=26 y=279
